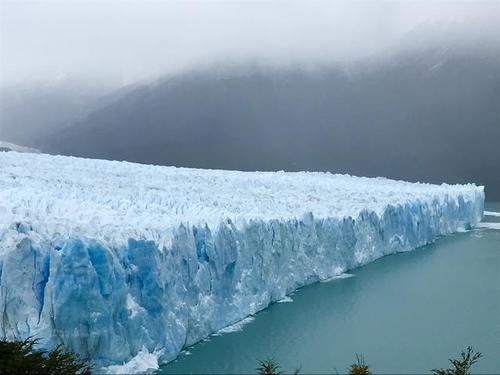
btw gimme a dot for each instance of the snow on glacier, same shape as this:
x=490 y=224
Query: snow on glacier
x=120 y=261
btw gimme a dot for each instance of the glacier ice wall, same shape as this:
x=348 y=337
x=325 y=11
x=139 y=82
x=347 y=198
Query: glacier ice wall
x=109 y=300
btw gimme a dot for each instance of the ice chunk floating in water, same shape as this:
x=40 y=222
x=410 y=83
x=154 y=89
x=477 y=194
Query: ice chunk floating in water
x=117 y=260
x=489 y=225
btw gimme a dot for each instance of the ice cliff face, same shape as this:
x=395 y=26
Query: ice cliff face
x=114 y=259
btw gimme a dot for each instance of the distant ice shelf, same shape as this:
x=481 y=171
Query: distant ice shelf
x=129 y=264
x=6 y=146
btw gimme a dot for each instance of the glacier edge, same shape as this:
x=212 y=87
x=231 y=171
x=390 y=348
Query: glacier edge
x=107 y=303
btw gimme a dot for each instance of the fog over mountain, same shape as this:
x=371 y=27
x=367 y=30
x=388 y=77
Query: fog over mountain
x=29 y=112
x=406 y=90
x=429 y=117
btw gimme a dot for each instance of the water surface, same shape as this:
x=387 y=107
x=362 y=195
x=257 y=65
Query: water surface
x=405 y=313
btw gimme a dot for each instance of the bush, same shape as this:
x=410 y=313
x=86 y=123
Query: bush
x=21 y=357
x=462 y=365
x=360 y=367
x=268 y=367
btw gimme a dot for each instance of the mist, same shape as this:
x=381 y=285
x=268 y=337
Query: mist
x=402 y=89
x=124 y=42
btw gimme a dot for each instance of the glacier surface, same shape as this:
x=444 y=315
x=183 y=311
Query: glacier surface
x=122 y=262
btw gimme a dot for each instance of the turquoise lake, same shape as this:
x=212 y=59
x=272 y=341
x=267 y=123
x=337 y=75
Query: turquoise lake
x=405 y=313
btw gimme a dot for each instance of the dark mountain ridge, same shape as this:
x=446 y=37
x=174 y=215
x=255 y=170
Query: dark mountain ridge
x=428 y=116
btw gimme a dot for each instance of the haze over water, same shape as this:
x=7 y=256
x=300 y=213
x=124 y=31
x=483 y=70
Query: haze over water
x=404 y=313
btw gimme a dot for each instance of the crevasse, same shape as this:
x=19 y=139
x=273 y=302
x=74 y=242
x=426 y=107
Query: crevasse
x=110 y=292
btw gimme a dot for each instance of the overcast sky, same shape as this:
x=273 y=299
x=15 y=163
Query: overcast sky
x=127 y=41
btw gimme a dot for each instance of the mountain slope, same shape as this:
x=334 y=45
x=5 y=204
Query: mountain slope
x=431 y=115
x=30 y=113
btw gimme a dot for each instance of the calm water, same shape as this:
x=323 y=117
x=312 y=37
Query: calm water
x=405 y=313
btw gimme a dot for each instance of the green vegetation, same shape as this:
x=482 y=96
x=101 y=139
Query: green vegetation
x=360 y=367
x=461 y=366
x=268 y=367
x=21 y=357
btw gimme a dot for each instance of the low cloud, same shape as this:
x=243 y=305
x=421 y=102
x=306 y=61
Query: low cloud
x=129 y=41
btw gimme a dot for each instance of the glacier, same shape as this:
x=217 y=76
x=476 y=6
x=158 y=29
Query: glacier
x=129 y=263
